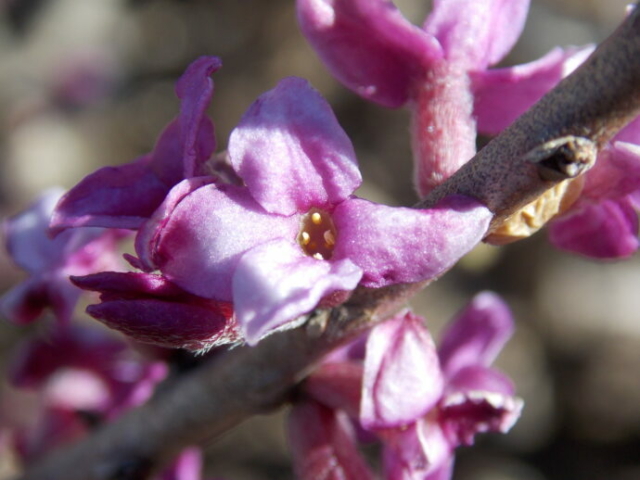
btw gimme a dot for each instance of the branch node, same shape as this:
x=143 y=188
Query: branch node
x=563 y=158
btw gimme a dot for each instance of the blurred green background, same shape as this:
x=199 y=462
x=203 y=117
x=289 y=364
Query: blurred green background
x=90 y=83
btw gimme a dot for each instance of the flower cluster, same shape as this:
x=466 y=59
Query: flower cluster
x=454 y=395
x=233 y=247
x=440 y=71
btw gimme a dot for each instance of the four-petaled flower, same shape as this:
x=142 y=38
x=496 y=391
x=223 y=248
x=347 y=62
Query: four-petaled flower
x=294 y=234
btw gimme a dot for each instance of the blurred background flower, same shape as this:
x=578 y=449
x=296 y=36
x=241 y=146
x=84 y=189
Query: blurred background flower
x=87 y=84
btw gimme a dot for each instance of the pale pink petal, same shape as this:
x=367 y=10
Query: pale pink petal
x=275 y=282
x=369 y=46
x=291 y=152
x=476 y=335
x=402 y=378
x=322 y=445
x=501 y=95
x=606 y=230
x=198 y=236
x=397 y=245
x=476 y=33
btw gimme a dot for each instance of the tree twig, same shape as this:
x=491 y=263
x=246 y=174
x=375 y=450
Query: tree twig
x=555 y=140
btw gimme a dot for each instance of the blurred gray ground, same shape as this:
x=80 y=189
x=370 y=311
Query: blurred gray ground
x=90 y=83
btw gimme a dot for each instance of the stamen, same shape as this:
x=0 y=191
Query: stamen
x=317 y=235
x=329 y=238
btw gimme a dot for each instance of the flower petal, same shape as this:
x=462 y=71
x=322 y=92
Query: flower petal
x=418 y=451
x=199 y=234
x=400 y=358
x=401 y=245
x=152 y=310
x=476 y=335
x=477 y=33
x=606 y=230
x=291 y=152
x=616 y=174
x=369 y=46
x=126 y=195
x=113 y=197
x=322 y=445
x=275 y=282
x=187 y=466
x=501 y=95
x=337 y=385
x=195 y=89
x=478 y=400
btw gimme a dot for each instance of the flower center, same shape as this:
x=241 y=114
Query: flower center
x=317 y=235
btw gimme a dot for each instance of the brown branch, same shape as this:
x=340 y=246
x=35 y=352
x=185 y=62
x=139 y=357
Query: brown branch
x=516 y=167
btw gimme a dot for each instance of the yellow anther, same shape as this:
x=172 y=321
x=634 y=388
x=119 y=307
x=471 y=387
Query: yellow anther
x=305 y=237
x=316 y=218
x=318 y=256
x=329 y=238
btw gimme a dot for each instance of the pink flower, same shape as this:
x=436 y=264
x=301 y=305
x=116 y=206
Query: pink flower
x=294 y=234
x=49 y=262
x=125 y=196
x=83 y=377
x=420 y=403
x=440 y=70
x=462 y=397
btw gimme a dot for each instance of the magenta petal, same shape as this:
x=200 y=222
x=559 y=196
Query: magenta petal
x=616 y=174
x=152 y=310
x=400 y=358
x=477 y=33
x=322 y=445
x=369 y=46
x=606 y=230
x=337 y=385
x=26 y=302
x=502 y=95
x=115 y=197
x=291 y=152
x=38 y=358
x=275 y=283
x=476 y=335
x=195 y=89
x=199 y=234
x=187 y=466
x=478 y=399
x=398 y=245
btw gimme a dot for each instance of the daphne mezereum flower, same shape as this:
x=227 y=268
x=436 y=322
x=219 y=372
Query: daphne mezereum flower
x=294 y=234
x=459 y=394
x=82 y=375
x=440 y=70
x=50 y=261
x=419 y=401
x=126 y=195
